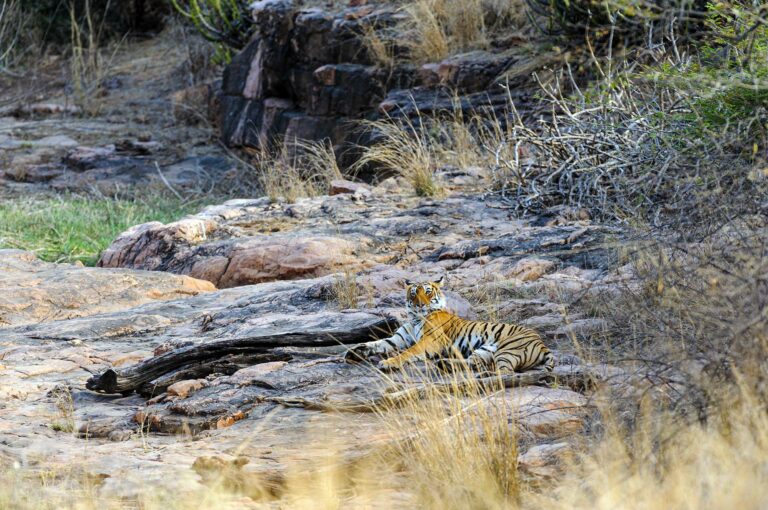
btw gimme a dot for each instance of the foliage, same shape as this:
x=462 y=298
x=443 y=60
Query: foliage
x=72 y=229
x=224 y=22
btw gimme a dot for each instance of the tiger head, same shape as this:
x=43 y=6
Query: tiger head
x=422 y=298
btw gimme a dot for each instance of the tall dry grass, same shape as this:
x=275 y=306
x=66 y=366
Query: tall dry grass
x=664 y=464
x=459 y=443
x=435 y=29
x=404 y=149
x=417 y=147
x=458 y=449
x=445 y=449
x=298 y=169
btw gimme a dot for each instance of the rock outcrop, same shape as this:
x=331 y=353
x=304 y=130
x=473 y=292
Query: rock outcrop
x=250 y=241
x=309 y=74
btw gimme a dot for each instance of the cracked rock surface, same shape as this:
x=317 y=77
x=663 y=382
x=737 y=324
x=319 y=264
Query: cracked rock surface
x=320 y=264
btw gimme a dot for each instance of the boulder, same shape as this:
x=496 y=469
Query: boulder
x=530 y=268
x=339 y=186
x=282 y=260
x=32 y=290
x=183 y=389
x=548 y=412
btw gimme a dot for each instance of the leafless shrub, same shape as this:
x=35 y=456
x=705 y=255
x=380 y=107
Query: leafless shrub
x=627 y=22
x=9 y=34
x=699 y=323
x=635 y=145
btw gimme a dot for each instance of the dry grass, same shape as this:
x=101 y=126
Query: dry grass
x=64 y=421
x=405 y=150
x=458 y=450
x=418 y=147
x=459 y=446
x=666 y=465
x=450 y=450
x=700 y=321
x=436 y=29
x=302 y=169
x=380 y=45
x=345 y=290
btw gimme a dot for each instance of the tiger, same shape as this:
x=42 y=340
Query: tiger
x=433 y=332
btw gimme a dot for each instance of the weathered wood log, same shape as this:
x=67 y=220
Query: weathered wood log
x=227 y=365
x=350 y=331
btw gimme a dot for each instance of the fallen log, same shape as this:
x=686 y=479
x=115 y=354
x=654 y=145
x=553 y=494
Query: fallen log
x=352 y=330
x=226 y=365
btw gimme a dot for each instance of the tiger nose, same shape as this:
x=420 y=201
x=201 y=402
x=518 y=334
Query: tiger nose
x=422 y=298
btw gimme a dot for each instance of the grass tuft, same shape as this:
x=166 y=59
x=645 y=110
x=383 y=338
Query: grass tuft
x=345 y=290
x=435 y=29
x=300 y=169
x=405 y=150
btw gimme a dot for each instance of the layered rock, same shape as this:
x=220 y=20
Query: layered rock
x=308 y=74
x=278 y=398
x=250 y=241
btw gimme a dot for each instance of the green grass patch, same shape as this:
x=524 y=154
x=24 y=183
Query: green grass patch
x=71 y=228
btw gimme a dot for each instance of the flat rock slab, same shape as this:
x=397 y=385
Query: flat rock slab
x=251 y=241
x=33 y=291
x=253 y=409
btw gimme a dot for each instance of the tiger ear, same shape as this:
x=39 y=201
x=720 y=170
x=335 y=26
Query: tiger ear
x=440 y=280
x=407 y=282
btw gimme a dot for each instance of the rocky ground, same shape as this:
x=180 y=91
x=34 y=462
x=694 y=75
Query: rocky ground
x=291 y=281
x=322 y=266
x=125 y=137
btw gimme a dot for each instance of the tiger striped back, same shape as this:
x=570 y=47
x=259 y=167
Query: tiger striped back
x=487 y=345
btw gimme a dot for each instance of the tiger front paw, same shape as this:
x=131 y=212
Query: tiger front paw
x=387 y=365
